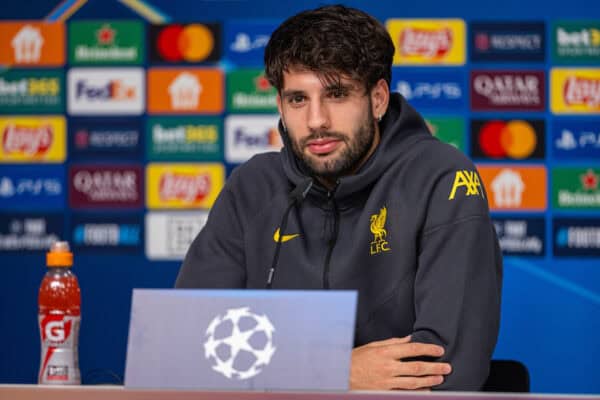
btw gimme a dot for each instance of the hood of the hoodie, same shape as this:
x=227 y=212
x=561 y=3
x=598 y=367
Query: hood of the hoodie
x=400 y=127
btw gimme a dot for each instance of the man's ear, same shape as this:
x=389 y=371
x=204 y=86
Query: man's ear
x=280 y=109
x=380 y=99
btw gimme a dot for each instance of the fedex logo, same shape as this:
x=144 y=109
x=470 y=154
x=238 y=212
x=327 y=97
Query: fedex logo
x=101 y=91
x=248 y=135
x=116 y=89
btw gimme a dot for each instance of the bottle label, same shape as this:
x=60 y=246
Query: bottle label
x=59 y=360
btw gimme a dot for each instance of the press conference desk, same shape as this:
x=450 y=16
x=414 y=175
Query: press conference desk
x=35 y=392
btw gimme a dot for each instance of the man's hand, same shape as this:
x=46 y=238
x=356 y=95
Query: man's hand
x=379 y=366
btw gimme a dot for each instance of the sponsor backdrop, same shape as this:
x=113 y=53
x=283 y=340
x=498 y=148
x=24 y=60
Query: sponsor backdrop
x=119 y=126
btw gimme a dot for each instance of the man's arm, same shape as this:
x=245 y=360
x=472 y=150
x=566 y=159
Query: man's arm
x=457 y=299
x=215 y=258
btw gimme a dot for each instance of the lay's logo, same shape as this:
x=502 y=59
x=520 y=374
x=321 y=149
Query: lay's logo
x=430 y=43
x=575 y=91
x=422 y=41
x=189 y=188
x=25 y=139
x=183 y=185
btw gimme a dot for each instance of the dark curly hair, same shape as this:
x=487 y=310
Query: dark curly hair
x=333 y=41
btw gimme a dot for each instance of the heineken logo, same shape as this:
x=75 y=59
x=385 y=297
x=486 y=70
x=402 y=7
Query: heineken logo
x=103 y=42
x=250 y=90
x=576 y=188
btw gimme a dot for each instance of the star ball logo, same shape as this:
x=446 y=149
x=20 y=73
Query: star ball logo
x=239 y=343
x=190 y=43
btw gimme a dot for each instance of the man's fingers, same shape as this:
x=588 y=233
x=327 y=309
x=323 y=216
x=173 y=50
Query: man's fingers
x=413 y=349
x=391 y=341
x=415 y=383
x=420 y=368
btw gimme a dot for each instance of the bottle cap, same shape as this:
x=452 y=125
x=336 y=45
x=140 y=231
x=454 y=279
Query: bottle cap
x=59 y=255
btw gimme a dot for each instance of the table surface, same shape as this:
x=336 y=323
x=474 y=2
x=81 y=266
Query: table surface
x=90 y=392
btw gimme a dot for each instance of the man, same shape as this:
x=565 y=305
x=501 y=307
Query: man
x=377 y=205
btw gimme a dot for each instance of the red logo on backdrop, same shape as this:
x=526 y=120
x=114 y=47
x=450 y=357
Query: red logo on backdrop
x=582 y=91
x=105 y=186
x=184 y=187
x=508 y=90
x=431 y=43
x=590 y=180
x=26 y=140
x=55 y=329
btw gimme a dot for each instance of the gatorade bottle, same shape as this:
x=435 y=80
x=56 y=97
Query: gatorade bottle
x=59 y=317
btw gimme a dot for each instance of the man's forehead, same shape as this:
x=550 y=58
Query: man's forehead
x=327 y=80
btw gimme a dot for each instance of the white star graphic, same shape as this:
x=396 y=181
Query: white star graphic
x=238 y=341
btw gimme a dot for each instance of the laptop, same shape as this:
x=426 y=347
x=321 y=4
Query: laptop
x=240 y=339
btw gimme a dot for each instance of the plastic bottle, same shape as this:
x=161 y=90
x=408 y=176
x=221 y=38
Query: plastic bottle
x=59 y=317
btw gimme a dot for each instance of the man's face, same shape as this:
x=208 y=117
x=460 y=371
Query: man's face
x=331 y=127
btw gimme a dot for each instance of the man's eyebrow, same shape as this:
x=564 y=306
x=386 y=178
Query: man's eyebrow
x=340 y=86
x=292 y=92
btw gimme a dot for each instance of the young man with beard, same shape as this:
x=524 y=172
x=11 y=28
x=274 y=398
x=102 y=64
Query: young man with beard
x=392 y=212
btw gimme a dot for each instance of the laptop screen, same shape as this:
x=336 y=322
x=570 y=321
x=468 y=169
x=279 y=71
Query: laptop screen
x=240 y=339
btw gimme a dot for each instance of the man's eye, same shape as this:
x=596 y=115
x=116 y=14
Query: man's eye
x=338 y=93
x=296 y=99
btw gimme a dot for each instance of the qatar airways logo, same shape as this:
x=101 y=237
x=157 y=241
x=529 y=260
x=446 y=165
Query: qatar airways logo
x=430 y=43
x=187 y=188
x=503 y=90
x=582 y=91
x=26 y=140
x=102 y=186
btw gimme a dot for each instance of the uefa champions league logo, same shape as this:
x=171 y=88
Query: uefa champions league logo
x=240 y=343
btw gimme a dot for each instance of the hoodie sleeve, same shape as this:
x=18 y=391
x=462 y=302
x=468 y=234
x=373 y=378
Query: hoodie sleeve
x=458 y=280
x=215 y=258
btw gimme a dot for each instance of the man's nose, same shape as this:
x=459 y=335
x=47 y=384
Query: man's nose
x=318 y=116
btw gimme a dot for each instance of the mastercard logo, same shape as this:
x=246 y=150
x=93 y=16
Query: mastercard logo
x=513 y=139
x=185 y=43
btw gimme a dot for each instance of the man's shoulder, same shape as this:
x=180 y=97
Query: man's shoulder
x=435 y=155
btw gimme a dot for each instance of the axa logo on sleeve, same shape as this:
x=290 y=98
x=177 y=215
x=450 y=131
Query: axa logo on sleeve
x=105 y=186
x=247 y=135
x=101 y=91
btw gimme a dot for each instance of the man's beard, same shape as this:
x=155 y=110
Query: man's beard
x=353 y=153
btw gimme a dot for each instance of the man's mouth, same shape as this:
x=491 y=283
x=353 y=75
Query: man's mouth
x=323 y=145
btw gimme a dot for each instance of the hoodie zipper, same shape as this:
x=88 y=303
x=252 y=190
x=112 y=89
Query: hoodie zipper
x=333 y=238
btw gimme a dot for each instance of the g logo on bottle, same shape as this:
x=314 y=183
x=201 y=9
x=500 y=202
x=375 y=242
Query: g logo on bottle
x=55 y=331
x=56 y=328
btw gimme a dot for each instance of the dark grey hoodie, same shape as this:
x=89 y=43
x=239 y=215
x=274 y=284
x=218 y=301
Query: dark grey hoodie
x=410 y=231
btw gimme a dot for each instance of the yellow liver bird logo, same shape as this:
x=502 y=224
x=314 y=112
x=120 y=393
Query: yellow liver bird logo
x=378 y=225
